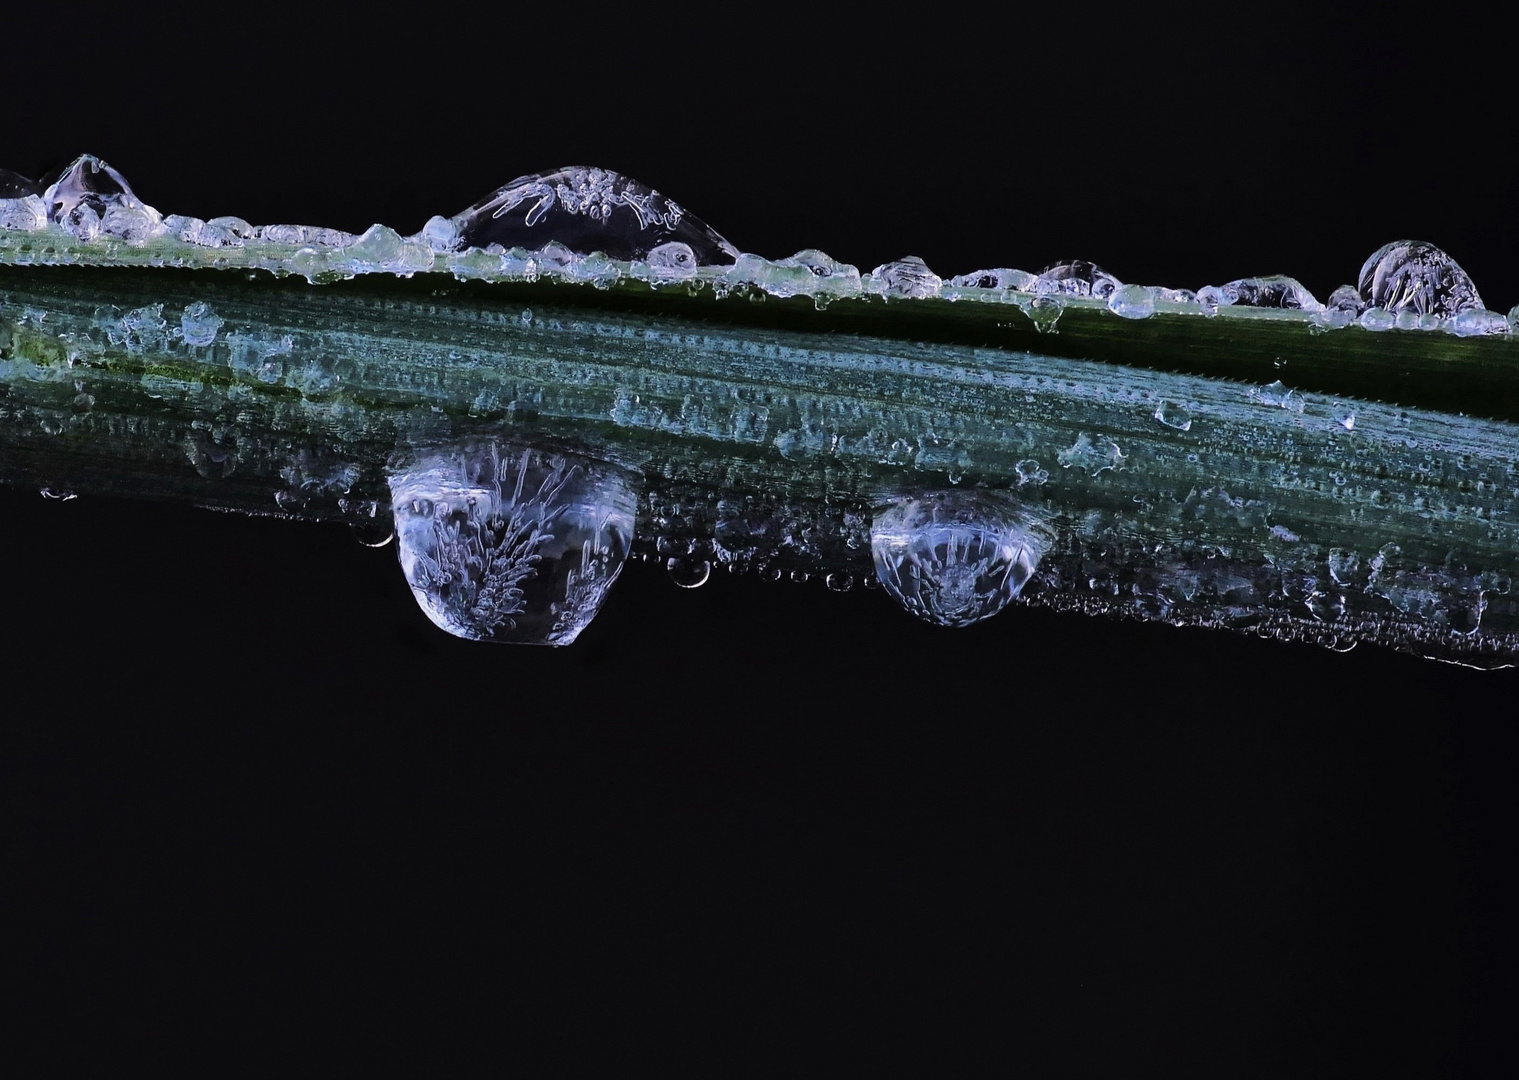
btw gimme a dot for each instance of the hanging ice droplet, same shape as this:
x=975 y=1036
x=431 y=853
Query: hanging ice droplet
x=954 y=558
x=687 y=572
x=586 y=210
x=908 y=277
x=503 y=543
x=1076 y=277
x=1411 y=275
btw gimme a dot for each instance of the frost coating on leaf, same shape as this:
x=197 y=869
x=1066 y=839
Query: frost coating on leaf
x=954 y=558
x=587 y=210
x=511 y=544
x=1412 y=275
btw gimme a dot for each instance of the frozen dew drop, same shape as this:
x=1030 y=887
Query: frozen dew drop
x=1173 y=415
x=687 y=572
x=839 y=582
x=1044 y=312
x=199 y=325
x=1076 y=277
x=1377 y=319
x=672 y=260
x=1275 y=291
x=1000 y=279
x=586 y=210
x=908 y=277
x=504 y=543
x=1132 y=301
x=1092 y=455
x=90 y=197
x=954 y=558
x=1344 y=415
x=1279 y=395
x=1411 y=275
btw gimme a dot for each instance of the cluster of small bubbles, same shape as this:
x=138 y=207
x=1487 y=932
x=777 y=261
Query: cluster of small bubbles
x=688 y=572
x=1045 y=312
x=1415 y=276
x=1173 y=415
x=907 y=277
x=1276 y=291
x=1075 y=277
x=1477 y=322
x=1001 y=279
x=1132 y=301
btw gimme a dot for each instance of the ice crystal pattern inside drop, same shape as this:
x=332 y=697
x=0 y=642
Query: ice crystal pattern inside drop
x=587 y=210
x=507 y=544
x=954 y=558
x=1076 y=277
x=1411 y=275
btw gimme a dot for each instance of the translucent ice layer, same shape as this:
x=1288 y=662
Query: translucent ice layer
x=507 y=544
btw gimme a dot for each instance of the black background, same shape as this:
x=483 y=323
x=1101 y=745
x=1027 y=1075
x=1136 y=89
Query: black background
x=248 y=785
